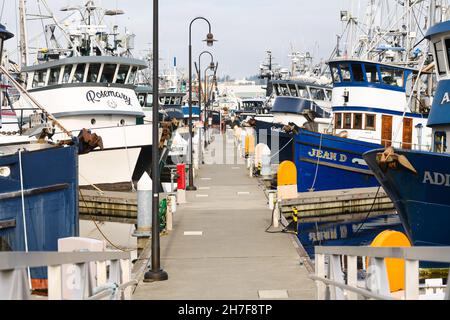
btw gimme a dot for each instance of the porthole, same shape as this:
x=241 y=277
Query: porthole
x=93 y=121
x=5 y=172
x=122 y=122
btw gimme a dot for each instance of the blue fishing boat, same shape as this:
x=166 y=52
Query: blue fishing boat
x=418 y=182
x=370 y=110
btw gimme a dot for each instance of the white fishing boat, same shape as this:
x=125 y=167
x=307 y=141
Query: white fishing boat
x=89 y=83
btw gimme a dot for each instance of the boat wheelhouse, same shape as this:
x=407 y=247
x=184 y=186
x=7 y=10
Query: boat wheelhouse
x=300 y=102
x=371 y=104
x=170 y=103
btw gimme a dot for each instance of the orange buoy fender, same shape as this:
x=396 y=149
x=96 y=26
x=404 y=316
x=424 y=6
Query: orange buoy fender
x=395 y=267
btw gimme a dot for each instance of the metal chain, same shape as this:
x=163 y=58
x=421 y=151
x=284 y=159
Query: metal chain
x=9 y=133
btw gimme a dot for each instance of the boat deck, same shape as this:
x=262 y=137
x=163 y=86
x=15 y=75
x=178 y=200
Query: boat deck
x=219 y=248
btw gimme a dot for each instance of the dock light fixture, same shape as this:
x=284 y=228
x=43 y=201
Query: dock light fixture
x=4 y=35
x=210 y=42
x=156 y=273
x=212 y=66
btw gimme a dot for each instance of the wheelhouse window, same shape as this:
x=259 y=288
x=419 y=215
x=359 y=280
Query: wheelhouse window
x=392 y=77
x=440 y=141
x=122 y=74
x=345 y=72
x=78 y=76
x=440 y=57
x=303 y=92
x=347 y=120
x=93 y=72
x=39 y=79
x=370 y=122
x=335 y=74
x=277 y=89
x=372 y=73
x=66 y=73
x=357 y=72
x=357 y=120
x=54 y=76
x=133 y=74
x=317 y=94
x=293 y=90
x=109 y=70
x=338 y=121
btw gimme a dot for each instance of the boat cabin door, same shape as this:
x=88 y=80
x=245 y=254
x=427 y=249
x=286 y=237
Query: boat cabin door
x=386 y=131
x=407 y=133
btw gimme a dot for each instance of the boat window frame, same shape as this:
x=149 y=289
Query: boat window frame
x=126 y=75
x=88 y=68
x=102 y=72
x=63 y=73
x=437 y=60
x=362 y=72
x=377 y=72
x=338 y=121
x=437 y=147
x=293 y=90
x=335 y=73
x=349 y=70
x=313 y=97
x=374 y=128
x=50 y=70
x=344 y=126
x=354 y=121
x=134 y=76
x=45 y=74
x=395 y=78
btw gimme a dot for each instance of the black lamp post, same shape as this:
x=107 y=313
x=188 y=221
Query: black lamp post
x=210 y=42
x=211 y=66
x=155 y=273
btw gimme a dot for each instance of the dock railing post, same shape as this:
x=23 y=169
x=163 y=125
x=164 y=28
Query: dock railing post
x=54 y=282
x=411 y=280
x=352 y=276
x=320 y=272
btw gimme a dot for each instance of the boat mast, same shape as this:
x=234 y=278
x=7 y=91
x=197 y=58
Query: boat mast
x=23 y=34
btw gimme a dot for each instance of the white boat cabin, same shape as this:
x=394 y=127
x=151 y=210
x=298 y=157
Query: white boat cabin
x=371 y=103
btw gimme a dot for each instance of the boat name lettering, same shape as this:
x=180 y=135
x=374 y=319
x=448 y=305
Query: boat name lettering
x=436 y=178
x=445 y=98
x=316 y=153
x=94 y=97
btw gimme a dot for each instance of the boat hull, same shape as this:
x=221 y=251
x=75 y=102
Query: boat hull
x=326 y=162
x=280 y=144
x=423 y=199
x=50 y=184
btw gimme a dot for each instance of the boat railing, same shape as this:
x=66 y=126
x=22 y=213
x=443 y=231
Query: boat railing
x=334 y=284
x=71 y=275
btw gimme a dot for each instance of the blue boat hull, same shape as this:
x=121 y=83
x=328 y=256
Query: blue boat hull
x=326 y=162
x=423 y=199
x=50 y=179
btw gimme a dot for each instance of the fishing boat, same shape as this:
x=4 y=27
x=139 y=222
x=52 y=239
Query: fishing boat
x=379 y=99
x=297 y=104
x=418 y=182
x=89 y=83
x=38 y=180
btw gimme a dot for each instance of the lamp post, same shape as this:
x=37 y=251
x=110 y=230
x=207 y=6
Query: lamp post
x=207 y=98
x=155 y=273
x=211 y=66
x=210 y=42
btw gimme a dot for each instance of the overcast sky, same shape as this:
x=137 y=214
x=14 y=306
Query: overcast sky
x=245 y=28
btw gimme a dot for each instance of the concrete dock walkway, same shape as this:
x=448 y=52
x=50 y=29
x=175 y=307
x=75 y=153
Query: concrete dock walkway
x=219 y=248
